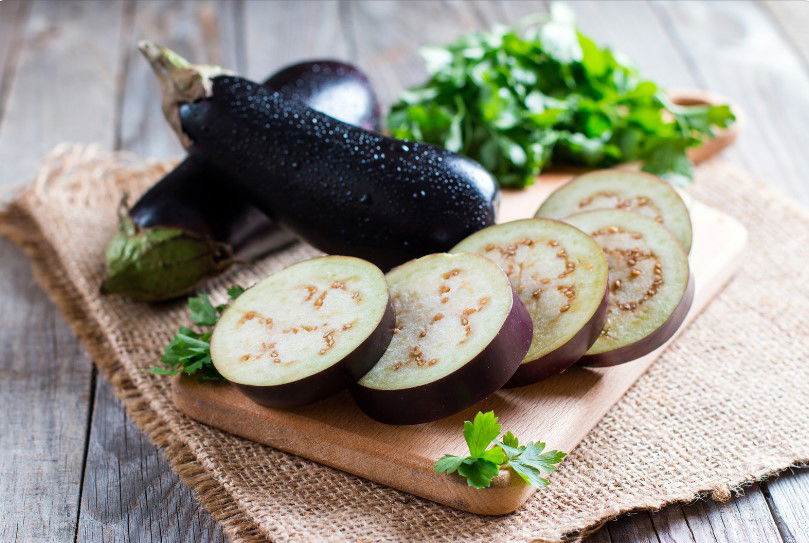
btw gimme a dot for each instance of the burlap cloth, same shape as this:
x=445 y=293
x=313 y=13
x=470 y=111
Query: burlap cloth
x=726 y=405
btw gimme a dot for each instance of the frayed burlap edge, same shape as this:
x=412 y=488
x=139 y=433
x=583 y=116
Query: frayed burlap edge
x=18 y=226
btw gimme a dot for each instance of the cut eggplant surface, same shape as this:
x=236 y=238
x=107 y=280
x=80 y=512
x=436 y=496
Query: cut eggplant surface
x=560 y=274
x=305 y=332
x=639 y=192
x=461 y=332
x=650 y=285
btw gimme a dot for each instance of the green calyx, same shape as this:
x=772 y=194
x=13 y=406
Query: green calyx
x=154 y=264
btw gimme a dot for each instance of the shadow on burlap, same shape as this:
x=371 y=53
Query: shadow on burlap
x=726 y=405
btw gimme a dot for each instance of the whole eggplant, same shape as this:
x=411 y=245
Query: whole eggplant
x=194 y=222
x=342 y=188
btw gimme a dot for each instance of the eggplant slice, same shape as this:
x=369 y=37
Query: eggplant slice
x=639 y=192
x=305 y=332
x=461 y=332
x=560 y=274
x=650 y=284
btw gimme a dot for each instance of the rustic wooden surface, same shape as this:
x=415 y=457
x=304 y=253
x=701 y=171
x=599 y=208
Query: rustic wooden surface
x=72 y=467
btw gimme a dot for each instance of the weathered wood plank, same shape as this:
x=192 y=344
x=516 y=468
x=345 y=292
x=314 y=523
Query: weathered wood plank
x=746 y=518
x=193 y=29
x=387 y=36
x=130 y=492
x=280 y=33
x=788 y=498
x=64 y=88
x=792 y=16
x=640 y=530
x=733 y=48
x=601 y=536
x=45 y=393
x=12 y=20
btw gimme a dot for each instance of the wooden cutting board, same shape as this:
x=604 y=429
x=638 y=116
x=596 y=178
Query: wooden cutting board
x=560 y=410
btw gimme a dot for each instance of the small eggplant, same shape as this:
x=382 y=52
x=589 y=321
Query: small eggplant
x=342 y=188
x=194 y=222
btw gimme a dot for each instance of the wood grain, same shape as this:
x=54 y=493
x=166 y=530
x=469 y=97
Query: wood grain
x=747 y=518
x=46 y=378
x=193 y=29
x=387 y=36
x=65 y=85
x=788 y=500
x=560 y=410
x=130 y=492
x=277 y=34
x=45 y=393
x=791 y=18
x=732 y=49
x=12 y=21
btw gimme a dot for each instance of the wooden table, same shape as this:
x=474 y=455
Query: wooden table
x=72 y=466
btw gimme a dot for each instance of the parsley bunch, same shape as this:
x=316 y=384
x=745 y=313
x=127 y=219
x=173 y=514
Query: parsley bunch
x=484 y=462
x=517 y=99
x=189 y=351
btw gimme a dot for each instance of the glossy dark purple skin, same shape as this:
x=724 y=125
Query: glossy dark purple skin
x=331 y=87
x=650 y=342
x=565 y=356
x=333 y=379
x=472 y=382
x=198 y=197
x=343 y=189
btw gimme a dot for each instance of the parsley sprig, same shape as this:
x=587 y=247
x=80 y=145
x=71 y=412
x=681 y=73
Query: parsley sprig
x=189 y=351
x=484 y=462
x=517 y=99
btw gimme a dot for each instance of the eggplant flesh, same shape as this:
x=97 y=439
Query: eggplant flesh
x=561 y=275
x=343 y=189
x=650 y=283
x=305 y=332
x=194 y=222
x=461 y=333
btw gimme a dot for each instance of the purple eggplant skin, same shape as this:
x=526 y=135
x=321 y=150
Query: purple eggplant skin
x=343 y=189
x=471 y=383
x=565 y=356
x=195 y=221
x=651 y=342
x=335 y=88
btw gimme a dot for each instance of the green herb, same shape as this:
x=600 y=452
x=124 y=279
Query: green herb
x=484 y=462
x=189 y=351
x=517 y=99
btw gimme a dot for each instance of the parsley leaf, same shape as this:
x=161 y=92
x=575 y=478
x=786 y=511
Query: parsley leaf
x=480 y=432
x=478 y=472
x=189 y=351
x=484 y=463
x=235 y=291
x=541 y=92
x=528 y=461
x=201 y=311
